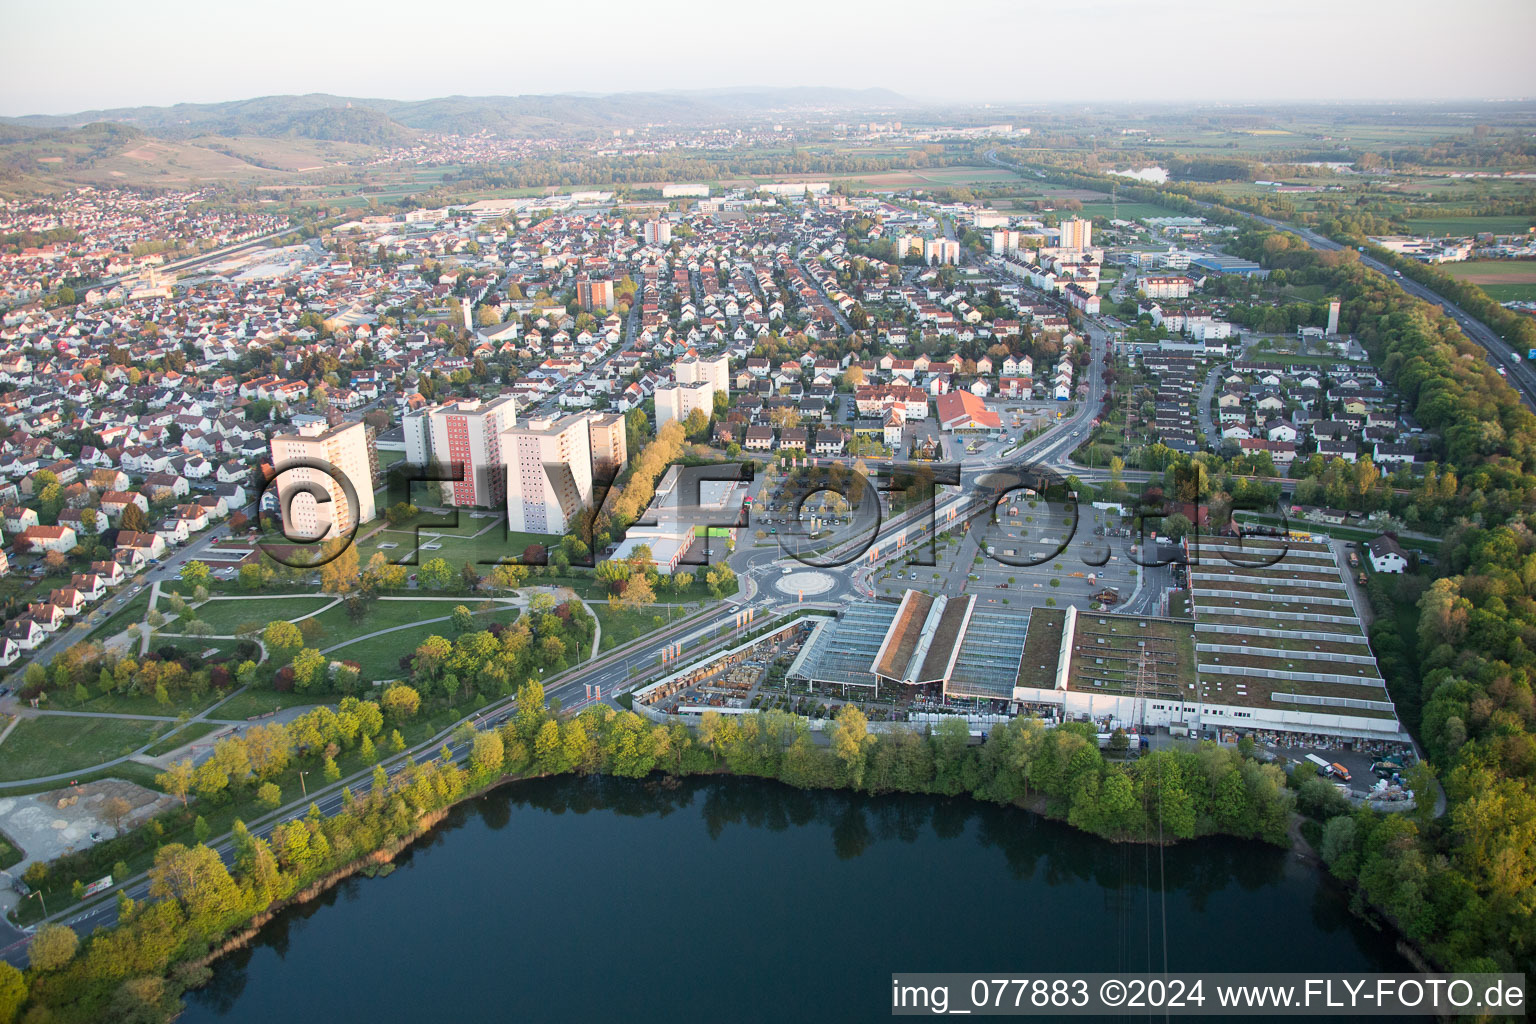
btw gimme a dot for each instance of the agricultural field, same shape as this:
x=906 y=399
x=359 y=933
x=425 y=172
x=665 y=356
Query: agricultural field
x=1503 y=280
x=1462 y=226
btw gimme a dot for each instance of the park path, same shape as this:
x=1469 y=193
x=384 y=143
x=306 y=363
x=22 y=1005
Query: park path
x=501 y=603
x=201 y=716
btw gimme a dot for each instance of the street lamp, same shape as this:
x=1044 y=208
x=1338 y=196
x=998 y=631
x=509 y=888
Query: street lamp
x=39 y=894
x=303 y=788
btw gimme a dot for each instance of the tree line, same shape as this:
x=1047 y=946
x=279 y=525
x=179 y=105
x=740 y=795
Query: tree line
x=138 y=969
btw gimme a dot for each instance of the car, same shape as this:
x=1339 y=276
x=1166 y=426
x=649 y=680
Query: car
x=97 y=837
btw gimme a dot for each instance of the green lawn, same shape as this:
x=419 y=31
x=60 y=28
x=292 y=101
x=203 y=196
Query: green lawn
x=620 y=626
x=380 y=656
x=1503 y=280
x=228 y=615
x=59 y=743
x=254 y=702
x=458 y=544
x=339 y=626
x=128 y=704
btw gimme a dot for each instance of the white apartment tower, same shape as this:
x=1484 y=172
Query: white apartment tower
x=697 y=381
x=549 y=473
x=658 y=232
x=940 y=250
x=298 y=460
x=464 y=433
x=1333 y=318
x=610 y=448
x=1076 y=233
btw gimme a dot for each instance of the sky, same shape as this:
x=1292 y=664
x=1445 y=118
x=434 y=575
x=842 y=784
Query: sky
x=112 y=54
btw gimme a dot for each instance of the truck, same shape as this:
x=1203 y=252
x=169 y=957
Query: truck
x=1322 y=765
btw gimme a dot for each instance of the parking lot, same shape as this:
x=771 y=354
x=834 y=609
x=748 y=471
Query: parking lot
x=1031 y=532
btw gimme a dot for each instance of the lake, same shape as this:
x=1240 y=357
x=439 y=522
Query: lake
x=742 y=900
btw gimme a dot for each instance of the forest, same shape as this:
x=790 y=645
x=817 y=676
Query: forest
x=1463 y=886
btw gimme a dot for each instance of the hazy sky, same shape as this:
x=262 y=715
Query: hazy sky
x=116 y=54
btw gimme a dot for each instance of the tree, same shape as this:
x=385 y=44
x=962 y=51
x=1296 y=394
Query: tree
x=55 y=561
x=851 y=741
x=308 y=669
x=13 y=992
x=196 y=573
x=177 y=779
x=52 y=947
x=400 y=702
x=531 y=714
x=488 y=754
x=282 y=639
x=636 y=594
x=400 y=512
x=612 y=573
x=210 y=779
x=437 y=573
x=196 y=878
x=269 y=795
x=719 y=578
x=253 y=576
x=134 y=519
x=339 y=573
x=115 y=809
x=463 y=620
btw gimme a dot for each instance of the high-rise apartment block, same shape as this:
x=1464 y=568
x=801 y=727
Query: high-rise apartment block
x=549 y=473
x=610 y=449
x=1076 y=233
x=308 y=464
x=941 y=251
x=698 y=380
x=657 y=232
x=592 y=294
x=464 y=433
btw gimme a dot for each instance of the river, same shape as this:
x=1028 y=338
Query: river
x=741 y=900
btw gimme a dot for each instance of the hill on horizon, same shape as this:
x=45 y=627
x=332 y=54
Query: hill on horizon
x=384 y=122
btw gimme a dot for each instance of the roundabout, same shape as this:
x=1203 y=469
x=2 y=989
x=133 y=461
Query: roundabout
x=804 y=583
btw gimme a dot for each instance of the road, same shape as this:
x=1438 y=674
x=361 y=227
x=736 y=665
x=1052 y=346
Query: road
x=1520 y=374
x=168 y=569
x=615 y=671
x=610 y=671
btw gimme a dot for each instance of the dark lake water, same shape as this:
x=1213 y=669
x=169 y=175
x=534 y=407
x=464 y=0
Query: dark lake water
x=742 y=900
